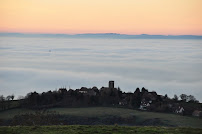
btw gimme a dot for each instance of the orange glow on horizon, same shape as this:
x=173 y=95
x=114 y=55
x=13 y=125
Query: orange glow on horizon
x=171 y=17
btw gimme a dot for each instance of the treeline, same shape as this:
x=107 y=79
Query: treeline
x=87 y=97
x=6 y=102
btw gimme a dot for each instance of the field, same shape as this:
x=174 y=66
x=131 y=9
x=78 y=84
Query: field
x=141 y=117
x=78 y=129
x=172 y=119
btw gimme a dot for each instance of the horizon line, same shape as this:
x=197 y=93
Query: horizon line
x=96 y=33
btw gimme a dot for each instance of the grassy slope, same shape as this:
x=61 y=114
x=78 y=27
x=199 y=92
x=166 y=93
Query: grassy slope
x=182 y=121
x=8 y=114
x=77 y=129
x=178 y=120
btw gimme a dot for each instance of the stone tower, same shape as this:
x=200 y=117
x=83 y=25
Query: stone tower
x=111 y=84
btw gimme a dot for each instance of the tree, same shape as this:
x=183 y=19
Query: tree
x=2 y=98
x=144 y=90
x=32 y=99
x=8 y=97
x=183 y=97
x=2 y=102
x=188 y=98
x=191 y=98
x=12 y=96
x=175 y=97
x=137 y=96
x=137 y=91
x=132 y=101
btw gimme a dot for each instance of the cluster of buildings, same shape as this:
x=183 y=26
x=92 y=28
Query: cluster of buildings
x=147 y=99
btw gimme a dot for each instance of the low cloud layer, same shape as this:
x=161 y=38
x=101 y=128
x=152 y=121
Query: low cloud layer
x=40 y=64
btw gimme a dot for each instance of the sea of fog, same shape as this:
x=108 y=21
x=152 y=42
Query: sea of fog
x=167 y=66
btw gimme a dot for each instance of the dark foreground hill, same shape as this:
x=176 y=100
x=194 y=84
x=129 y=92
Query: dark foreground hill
x=96 y=130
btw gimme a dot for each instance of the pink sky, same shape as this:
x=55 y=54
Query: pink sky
x=170 y=17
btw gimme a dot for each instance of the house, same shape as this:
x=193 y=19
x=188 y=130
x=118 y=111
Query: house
x=87 y=91
x=197 y=113
x=145 y=104
x=179 y=110
x=62 y=90
x=83 y=90
x=147 y=99
x=123 y=102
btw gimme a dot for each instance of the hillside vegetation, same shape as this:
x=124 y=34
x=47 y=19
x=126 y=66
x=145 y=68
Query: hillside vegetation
x=110 y=96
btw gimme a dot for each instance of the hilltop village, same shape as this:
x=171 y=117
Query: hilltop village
x=111 y=96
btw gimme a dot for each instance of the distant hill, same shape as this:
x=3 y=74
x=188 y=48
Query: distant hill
x=103 y=35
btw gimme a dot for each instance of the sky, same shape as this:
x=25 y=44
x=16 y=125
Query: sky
x=166 y=17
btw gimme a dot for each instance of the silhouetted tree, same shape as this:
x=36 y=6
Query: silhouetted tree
x=191 y=98
x=175 y=98
x=144 y=90
x=2 y=98
x=2 y=102
x=183 y=97
x=137 y=97
x=8 y=98
x=12 y=96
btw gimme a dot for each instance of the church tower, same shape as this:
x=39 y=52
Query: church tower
x=111 y=84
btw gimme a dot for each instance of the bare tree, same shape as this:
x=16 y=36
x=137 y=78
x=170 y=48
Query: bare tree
x=8 y=97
